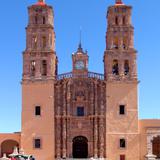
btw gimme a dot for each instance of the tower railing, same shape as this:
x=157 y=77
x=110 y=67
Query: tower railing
x=88 y=75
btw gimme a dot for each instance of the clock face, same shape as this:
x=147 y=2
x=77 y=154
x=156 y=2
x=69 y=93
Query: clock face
x=79 y=65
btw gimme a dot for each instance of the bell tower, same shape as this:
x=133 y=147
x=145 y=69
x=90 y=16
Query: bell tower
x=39 y=58
x=39 y=74
x=120 y=55
x=120 y=70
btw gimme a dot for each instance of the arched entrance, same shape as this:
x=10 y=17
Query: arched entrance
x=7 y=146
x=156 y=146
x=80 y=147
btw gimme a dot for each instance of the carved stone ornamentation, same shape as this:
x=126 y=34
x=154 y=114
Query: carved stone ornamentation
x=151 y=134
x=87 y=94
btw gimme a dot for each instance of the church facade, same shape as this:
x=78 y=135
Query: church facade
x=82 y=114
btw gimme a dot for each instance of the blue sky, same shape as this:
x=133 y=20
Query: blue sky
x=70 y=15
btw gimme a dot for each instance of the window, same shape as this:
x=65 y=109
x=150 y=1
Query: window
x=33 y=68
x=44 y=68
x=156 y=146
x=44 y=42
x=124 y=20
x=37 y=110
x=36 y=20
x=122 y=109
x=116 y=20
x=80 y=111
x=115 y=69
x=126 y=67
x=122 y=157
x=44 y=20
x=122 y=143
x=37 y=143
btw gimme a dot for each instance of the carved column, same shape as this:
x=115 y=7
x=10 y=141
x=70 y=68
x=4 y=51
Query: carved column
x=121 y=42
x=68 y=98
x=149 y=144
x=95 y=138
x=150 y=155
x=64 y=134
x=110 y=42
x=131 y=39
x=92 y=99
x=64 y=128
x=133 y=67
x=68 y=114
x=121 y=68
x=96 y=99
x=38 y=68
x=95 y=124
x=58 y=125
x=58 y=137
x=92 y=113
x=101 y=125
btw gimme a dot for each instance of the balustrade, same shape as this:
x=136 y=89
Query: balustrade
x=89 y=75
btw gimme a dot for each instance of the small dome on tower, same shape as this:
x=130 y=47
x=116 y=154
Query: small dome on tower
x=41 y=3
x=119 y=2
x=80 y=49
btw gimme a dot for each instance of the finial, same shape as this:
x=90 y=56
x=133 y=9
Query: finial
x=80 y=49
x=119 y=2
x=80 y=36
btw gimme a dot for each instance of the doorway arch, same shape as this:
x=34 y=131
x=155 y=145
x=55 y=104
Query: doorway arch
x=80 y=147
x=7 y=146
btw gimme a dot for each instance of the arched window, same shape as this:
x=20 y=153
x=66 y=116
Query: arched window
x=33 y=68
x=44 y=20
x=126 y=67
x=115 y=43
x=115 y=69
x=44 y=68
x=156 y=146
x=36 y=20
x=44 y=42
x=124 y=20
x=116 y=20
